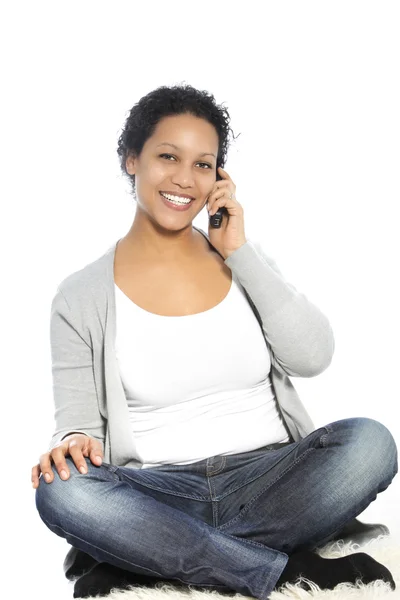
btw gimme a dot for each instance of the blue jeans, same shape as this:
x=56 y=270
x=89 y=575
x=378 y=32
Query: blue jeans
x=230 y=522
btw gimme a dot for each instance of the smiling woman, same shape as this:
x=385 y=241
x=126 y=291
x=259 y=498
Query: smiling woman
x=171 y=356
x=173 y=142
x=146 y=116
x=172 y=149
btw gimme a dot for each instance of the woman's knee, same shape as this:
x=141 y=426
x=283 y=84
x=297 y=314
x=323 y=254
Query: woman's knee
x=78 y=494
x=49 y=496
x=375 y=446
x=59 y=496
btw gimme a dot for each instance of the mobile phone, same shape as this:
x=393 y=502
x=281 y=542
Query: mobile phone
x=216 y=219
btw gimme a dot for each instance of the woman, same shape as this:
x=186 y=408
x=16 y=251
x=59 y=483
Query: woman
x=171 y=359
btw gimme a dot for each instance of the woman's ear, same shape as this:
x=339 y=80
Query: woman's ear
x=130 y=165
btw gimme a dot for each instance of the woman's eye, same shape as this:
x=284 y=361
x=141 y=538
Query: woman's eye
x=207 y=165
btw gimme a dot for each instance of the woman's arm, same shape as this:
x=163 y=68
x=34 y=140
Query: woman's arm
x=74 y=390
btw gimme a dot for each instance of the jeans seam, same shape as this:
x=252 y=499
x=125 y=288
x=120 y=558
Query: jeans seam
x=112 y=469
x=234 y=489
x=324 y=436
x=163 y=491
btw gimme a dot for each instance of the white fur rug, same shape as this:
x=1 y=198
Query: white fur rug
x=384 y=549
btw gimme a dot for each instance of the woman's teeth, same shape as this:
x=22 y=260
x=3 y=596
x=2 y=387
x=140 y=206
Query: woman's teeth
x=176 y=199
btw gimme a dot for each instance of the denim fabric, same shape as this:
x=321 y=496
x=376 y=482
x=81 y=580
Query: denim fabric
x=227 y=522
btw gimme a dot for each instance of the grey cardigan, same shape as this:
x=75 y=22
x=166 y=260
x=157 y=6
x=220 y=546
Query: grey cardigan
x=88 y=393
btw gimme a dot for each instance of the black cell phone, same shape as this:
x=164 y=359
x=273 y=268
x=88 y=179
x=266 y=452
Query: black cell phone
x=216 y=219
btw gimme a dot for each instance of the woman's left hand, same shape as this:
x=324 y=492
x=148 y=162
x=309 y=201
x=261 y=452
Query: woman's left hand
x=230 y=236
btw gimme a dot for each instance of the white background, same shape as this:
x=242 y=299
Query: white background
x=313 y=90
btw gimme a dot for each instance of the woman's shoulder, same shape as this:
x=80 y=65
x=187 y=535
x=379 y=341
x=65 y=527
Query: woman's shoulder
x=89 y=283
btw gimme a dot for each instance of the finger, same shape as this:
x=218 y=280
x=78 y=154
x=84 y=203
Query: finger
x=35 y=475
x=218 y=194
x=58 y=456
x=222 y=183
x=46 y=468
x=77 y=456
x=215 y=193
x=96 y=452
x=219 y=185
x=223 y=173
x=215 y=207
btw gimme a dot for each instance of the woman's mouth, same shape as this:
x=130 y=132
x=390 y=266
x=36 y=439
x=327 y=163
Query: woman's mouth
x=176 y=203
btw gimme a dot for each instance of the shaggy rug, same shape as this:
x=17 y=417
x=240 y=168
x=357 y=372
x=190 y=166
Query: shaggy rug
x=384 y=549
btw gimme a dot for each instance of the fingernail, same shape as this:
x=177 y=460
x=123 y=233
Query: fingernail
x=64 y=474
x=82 y=469
x=47 y=477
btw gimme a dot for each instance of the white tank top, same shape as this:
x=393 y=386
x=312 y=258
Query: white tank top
x=196 y=385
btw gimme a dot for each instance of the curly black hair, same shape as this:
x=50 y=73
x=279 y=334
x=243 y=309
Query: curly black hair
x=164 y=101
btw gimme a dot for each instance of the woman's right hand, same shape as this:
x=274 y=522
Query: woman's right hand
x=77 y=445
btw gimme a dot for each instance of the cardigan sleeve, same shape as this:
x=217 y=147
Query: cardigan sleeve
x=74 y=389
x=298 y=333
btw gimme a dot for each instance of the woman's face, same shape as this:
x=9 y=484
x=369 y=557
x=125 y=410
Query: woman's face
x=189 y=168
